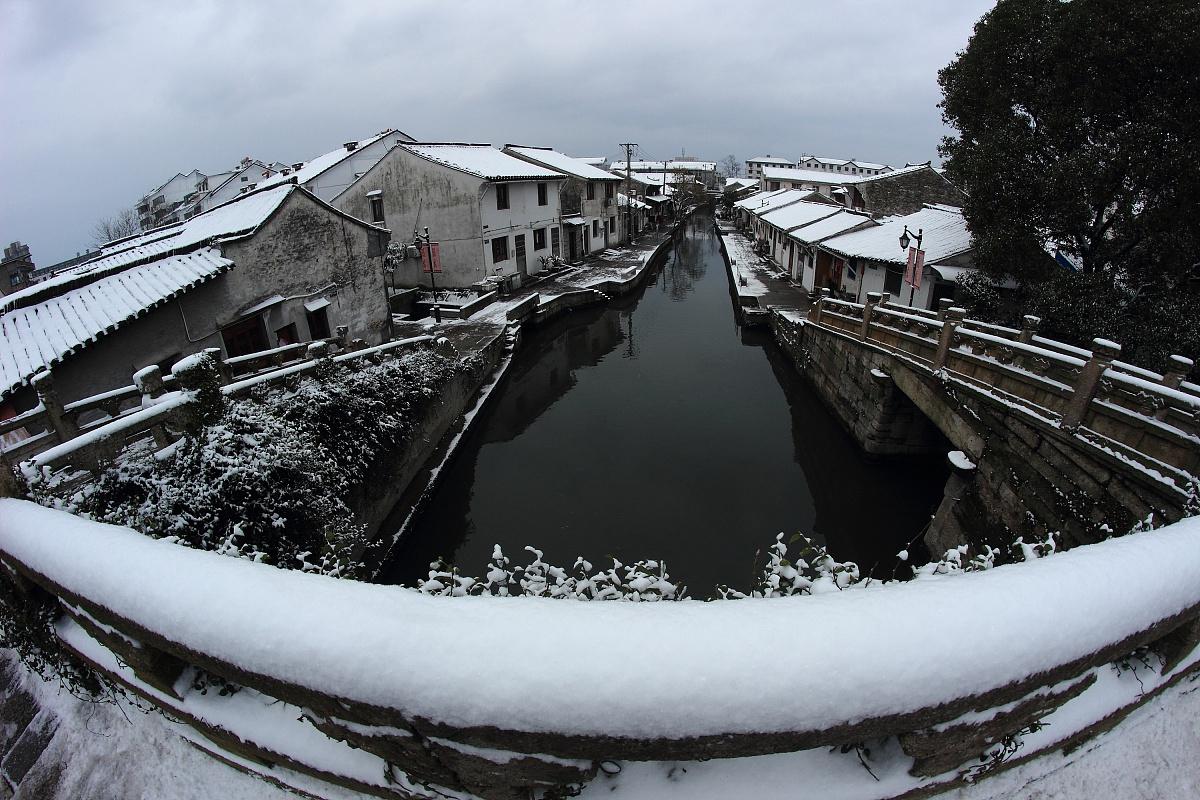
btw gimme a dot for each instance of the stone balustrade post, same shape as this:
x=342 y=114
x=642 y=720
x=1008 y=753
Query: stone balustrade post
x=1088 y=383
x=343 y=336
x=319 y=350
x=954 y=318
x=873 y=300
x=944 y=305
x=149 y=383
x=199 y=375
x=61 y=422
x=818 y=306
x=885 y=298
x=224 y=373
x=1176 y=374
x=1029 y=328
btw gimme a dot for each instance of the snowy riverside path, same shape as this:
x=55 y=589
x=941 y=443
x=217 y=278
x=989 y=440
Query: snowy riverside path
x=656 y=428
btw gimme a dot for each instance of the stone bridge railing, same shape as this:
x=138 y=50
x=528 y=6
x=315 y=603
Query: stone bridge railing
x=157 y=408
x=1149 y=419
x=396 y=694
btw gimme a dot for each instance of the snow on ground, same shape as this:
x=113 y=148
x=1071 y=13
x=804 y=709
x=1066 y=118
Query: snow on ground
x=743 y=261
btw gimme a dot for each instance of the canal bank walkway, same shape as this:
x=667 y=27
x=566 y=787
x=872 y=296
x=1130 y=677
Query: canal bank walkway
x=759 y=283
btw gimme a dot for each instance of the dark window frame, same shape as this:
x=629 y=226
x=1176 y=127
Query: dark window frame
x=539 y=239
x=502 y=197
x=499 y=249
x=543 y=194
x=376 y=202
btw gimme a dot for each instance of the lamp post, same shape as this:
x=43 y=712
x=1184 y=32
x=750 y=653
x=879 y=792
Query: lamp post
x=418 y=240
x=905 y=239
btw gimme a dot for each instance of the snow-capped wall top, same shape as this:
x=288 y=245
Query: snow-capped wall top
x=555 y=160
x=639 y=670
x=482 y=161
x=944 y=234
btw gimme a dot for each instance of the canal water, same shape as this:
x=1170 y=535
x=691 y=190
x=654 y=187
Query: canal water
x=656 y=427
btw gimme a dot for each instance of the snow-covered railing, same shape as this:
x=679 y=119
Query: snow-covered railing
x=1153 y=418
x=77 y=453
x=388 y=690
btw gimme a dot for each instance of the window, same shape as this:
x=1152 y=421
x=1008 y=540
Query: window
x=246 y=336
x=14 y=279
x=286 y=335
x=608 y=191
x=375 y=244
x=501 y=197
x=541 y=194
x=318 y=323
x=554 y=242
x=595 y=228
x=774 y=186
x=499 y=249
x=892 y=280
x=377 y=208
x=539 y=239
x=591 y=191
x=612 y=224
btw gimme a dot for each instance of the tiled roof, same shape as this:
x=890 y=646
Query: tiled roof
x=761 y=203
x=482 y=161
x=832 y=178
x=40 y=335
x=832 y=225
x=796 y=214
x=312 y=169
x=561 y=162
x=770 y=160
x=944 y=234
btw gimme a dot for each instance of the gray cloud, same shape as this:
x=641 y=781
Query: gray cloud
x=103 y=101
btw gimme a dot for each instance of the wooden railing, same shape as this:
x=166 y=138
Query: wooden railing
x=1151 y=418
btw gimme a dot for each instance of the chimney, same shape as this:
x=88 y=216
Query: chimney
x=298 y=165
x=350 y=146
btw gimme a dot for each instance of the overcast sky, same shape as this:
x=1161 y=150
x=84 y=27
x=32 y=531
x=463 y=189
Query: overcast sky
x=103 y=101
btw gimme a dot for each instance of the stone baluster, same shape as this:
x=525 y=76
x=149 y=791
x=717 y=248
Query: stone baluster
x=818 y=306
x=60 y=421
x=1176 y=374
x=873 y=300
x=1029 y=328
x=224 y=373
x=954 y=318
x=200 y=375
x=343 y=336
x=1088 y=383
x=944 y=305
x=9 y=486
x=318 y=350
x=149 y=383
x=885 y=298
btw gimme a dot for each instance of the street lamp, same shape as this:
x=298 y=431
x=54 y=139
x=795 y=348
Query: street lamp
x=905 y=238
x=418 y=240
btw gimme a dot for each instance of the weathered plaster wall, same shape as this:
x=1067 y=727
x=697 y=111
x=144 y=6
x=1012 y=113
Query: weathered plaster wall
x=906 y=193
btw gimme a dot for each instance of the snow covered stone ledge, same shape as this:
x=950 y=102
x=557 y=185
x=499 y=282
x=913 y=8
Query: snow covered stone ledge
x=388 y=691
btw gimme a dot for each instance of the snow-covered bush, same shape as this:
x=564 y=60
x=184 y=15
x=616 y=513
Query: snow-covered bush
x=642 y=581
x=813 y=571
x=269 y=481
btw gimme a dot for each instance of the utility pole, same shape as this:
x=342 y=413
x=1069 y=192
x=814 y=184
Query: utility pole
x=628 y=183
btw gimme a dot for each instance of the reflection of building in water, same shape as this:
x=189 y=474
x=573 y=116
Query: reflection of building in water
x=544 y=372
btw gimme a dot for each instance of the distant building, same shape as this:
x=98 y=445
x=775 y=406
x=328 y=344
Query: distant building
x=42 y=273
x=17 y=268
x=588 y=200
x=846 y=166
x=494 y=215
x=599 y=162
x=329 y=175
x=755 y=166
x=900 y=191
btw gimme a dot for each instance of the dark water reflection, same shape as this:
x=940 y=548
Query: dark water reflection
x=657 y=428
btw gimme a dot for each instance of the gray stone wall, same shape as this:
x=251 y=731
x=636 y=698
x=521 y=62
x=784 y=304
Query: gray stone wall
x=419 y=193
x=905 y=194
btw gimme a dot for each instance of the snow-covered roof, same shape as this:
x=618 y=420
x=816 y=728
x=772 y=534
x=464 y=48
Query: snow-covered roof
x=740 y=183
x=644 y=166
x=769 y=160
x=944 y=232
x=312 y=169
x=595 y=161
x=42 y=334
x=703 y=166
x=638 y=177
x=482 y=161
x=560 y=162
x=762 y=203
x=833 y=178
x=829 y=226
x=623 y=200
x=239 y=216
x=796 y=214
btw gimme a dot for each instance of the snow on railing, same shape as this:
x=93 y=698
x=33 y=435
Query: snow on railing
x=941 y=663
x=1156 y=415
x=76 y=452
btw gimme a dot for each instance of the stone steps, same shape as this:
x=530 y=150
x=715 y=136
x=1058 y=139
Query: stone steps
x=25 y=733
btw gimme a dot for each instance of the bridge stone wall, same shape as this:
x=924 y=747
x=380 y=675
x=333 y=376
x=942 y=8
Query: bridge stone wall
x=1031 y=478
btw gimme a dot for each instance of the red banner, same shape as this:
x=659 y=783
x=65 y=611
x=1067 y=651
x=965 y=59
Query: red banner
x=436 y=260
x=916 y=266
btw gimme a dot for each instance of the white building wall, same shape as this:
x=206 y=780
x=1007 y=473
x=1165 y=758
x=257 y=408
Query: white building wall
x=335 y=180
x=522 y=217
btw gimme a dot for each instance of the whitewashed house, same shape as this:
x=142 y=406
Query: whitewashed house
x=588 y=199
x=900 y=191
x=871 y=259
x=846 y=166
x=494 y=215
x=790 y=230
x=329 y=175
x=756 y=165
